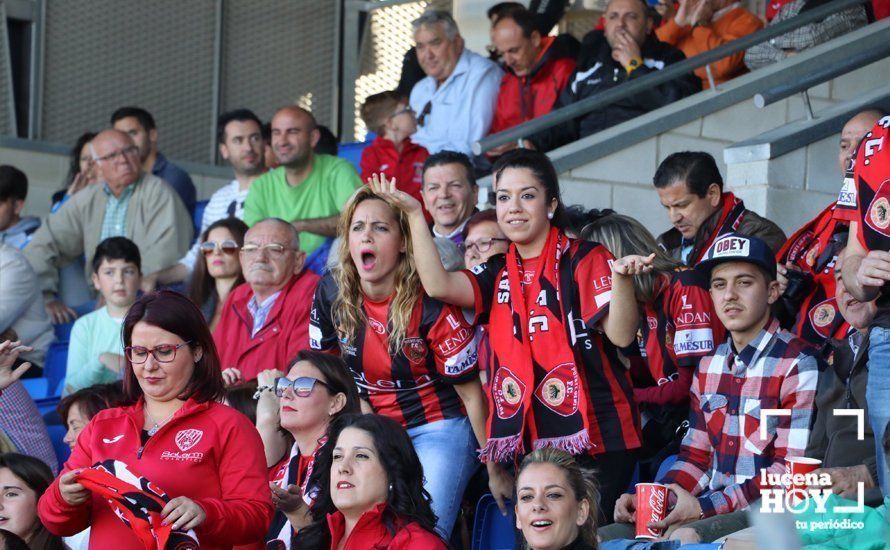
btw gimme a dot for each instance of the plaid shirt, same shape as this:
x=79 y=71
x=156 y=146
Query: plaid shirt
x=20 y=420
x=723 y=453
x=114 y=224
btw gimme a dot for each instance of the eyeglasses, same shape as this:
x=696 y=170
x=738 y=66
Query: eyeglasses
x=482 y=245
x=275 y=250
x=302 y=386
x=427 y=109
x=164 y=353
x=407 y=109
x=111 y=157
x=227 y=247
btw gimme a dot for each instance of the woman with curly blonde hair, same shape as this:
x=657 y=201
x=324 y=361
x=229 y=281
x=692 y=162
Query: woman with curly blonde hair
x=413 y=357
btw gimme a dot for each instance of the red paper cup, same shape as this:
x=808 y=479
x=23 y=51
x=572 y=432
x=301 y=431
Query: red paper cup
x=800 y=465
x=652 y=505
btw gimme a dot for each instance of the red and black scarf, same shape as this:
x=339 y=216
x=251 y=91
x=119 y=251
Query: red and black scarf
x=731 y=214
x=137 y=502
x=281 y=531
x=536 y=387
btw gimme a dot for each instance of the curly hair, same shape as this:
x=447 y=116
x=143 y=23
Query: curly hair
x=407 y=500
x=347 y=310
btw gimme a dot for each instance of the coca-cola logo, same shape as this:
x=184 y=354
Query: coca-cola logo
x=656 y=505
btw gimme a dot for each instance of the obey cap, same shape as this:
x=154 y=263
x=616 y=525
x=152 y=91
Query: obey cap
x=735 y=247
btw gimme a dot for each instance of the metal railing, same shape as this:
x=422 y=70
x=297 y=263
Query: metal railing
x=631 y=87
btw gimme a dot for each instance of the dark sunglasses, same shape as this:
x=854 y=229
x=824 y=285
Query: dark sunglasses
x=302 y=386
x=229 y=248
x=421 y=119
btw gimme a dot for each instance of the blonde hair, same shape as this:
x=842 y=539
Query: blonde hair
x=377 y=109
x=347 y=311
x=580 y=481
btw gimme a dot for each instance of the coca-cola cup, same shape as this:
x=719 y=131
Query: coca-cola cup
x=652 y=505
x=800 y=465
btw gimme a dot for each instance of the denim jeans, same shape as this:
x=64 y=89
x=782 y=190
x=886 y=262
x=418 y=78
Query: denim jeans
x=877 y=395
x=447 y=451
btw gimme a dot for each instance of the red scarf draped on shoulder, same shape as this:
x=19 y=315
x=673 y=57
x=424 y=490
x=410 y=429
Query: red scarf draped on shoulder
x=731 y=214
x=536 y=387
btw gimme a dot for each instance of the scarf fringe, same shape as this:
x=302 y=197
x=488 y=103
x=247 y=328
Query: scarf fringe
x=574 y=444
x=501 y=449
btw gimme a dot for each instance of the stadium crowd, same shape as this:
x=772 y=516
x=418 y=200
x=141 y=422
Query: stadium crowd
x=349 y=359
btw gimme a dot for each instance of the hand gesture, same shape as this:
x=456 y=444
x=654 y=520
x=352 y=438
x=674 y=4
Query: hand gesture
x=625 y=48
x=681 y=18
x=9 y=352
x=687 y=509
x=268 y=377
x=702 y=13
x=633 y=265
x=184 y=513
x=288 y=501
x=782 y=275
x=81 y=180
x=59 y=313
x=73 y=492
x=231 y=376
x=500 y=483
x=874 y=270
x=387 y=188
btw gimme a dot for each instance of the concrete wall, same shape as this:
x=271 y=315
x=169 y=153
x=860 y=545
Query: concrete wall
x=789 y=190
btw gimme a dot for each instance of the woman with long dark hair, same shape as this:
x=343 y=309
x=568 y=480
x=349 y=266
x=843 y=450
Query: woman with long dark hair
x=81 y=171
x=557 y=309
x=218 y=270
x=371 y=490
x=23 y=480
x=177 y=443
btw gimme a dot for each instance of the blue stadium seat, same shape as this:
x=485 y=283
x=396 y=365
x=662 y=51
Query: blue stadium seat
x=56 y=435
x=63 y=331
x=197 y=217
x=47 y=405
x=353 y=152
x=36 y=387
x=54 y=367
x=491 y=530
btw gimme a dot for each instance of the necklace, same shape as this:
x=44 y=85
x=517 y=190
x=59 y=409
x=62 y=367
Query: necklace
x=157 y=425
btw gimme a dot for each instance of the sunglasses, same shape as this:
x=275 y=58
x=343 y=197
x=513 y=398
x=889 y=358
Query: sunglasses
x=427 y=109
x=227 y=247
x=302 y=386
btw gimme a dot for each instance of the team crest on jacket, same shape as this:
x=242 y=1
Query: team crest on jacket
x=878 y=215
x=414 y=349
x=186 y=439
x=560 y=390
x=823 y=315
x=507 y=391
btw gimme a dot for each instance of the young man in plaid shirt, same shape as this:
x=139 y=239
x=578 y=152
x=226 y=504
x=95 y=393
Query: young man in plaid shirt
x=760 y=366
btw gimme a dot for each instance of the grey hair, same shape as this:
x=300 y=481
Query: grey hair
x=449 y=253
x=431 y=18
x=294 y=234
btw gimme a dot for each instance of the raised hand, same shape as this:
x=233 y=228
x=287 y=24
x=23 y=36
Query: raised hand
x=9 y=352
x=633 y=265
x=387 y=188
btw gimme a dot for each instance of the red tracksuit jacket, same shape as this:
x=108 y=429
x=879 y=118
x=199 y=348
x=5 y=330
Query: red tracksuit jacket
x=285 y=332
x=208 y=452
x=406 y=167
x=369 y=533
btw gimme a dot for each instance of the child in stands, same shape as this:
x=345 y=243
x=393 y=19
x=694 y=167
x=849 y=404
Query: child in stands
x=392 y=152
x=95 y=355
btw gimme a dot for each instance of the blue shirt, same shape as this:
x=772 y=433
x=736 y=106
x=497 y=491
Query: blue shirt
x=260 y=311
x=461 y=109
x=178 y=179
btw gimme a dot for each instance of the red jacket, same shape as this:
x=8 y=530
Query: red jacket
x=285 y=333
x=208 y=452
x=523 y=98
x=406 y=167
x=369 y=532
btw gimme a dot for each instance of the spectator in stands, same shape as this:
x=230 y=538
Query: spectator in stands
x=536 y=70
x=719 y=469
x=702 y=25
x=547 y=12
x=128 y=204
x=678 y=326
x=318 y=389
x=239 y=134
x=690 y=188
x=81 y=171
x=449 y=193
x=384 y=504
x=847 y=458
x=78 y=408
x=21 y=307
x=15 y=230
x=308 y=189
x=483 y=238
x=806 y=277
x=140 y=126
x=866 y=269
x=217 y=272
x=807 y=36
x=24 y=479
x=392 y=152
x=455 y=102
x=624 y=51
x=271 y=161
x=265 y=322
x=551 y=487
x=96 y=351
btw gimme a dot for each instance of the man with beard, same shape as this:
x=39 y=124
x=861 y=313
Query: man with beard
x=265 y=322
x=239 y=133
x=307 y=189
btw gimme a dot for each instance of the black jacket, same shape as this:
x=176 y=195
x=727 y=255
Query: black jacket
x=597 y=72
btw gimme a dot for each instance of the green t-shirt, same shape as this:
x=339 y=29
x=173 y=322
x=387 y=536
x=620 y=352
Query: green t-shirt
x=323 y=194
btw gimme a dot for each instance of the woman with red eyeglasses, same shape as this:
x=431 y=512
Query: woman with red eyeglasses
x=218 y=270
x=185 y=461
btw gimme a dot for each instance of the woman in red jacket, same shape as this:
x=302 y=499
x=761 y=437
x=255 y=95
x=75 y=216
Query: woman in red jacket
x=372 y=493
x=177 y=442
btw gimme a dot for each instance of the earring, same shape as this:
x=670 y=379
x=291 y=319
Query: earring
x=549 y=215
x=390 y=487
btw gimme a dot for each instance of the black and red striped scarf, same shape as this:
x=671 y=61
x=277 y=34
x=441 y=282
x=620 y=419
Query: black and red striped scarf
x=137 y=502
x=731 y=214
x=536 y=388
x=281 y=531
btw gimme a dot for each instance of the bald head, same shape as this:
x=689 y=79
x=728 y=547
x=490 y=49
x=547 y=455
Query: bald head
x=852 y=134
x=280 y=225
x=294 y=136
x=117 y=158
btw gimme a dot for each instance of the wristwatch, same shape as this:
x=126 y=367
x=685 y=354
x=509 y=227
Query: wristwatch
x=633 y=65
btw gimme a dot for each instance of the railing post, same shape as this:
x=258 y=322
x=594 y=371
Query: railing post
x=710 y=77
x=805 y=96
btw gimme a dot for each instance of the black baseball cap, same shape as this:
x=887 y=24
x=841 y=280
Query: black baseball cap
x=735 y=247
